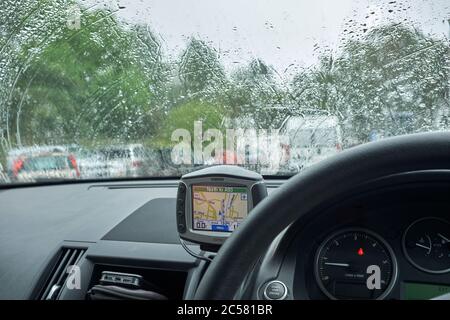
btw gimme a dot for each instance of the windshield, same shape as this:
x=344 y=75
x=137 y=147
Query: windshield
x=129 y=88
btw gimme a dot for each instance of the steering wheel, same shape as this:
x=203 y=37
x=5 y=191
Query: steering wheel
x=311 y=188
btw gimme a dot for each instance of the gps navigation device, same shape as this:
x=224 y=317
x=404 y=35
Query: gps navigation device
x=213 y=202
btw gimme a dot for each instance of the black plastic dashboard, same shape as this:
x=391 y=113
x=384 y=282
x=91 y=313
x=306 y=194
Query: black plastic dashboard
x=36 y=222
x=121 y=226
x=131 y=227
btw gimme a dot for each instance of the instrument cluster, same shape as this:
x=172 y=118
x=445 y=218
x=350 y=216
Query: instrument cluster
x=357 y=263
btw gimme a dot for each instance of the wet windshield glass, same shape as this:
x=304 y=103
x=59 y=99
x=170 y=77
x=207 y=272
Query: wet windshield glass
x=123 y=88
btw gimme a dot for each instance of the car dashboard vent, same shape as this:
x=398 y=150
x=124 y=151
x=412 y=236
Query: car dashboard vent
x=67 y=257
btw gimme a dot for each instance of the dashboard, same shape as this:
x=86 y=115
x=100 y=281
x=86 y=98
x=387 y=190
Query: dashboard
x=384 y=243
x=391 y=235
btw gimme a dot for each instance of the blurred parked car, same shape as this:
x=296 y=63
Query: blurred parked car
x=92 y=164
x=22 y=152
x=127 y=160
x=310 y=139
x=44 y=166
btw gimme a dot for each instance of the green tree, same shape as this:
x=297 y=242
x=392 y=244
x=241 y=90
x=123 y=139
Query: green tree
x=254 y=92
x=100 y=82
x=22 y=23
x=314 y=89
x=392 y=81
x=184 y=116
x=201 y=74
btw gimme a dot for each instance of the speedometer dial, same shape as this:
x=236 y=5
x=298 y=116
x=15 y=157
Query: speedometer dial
x=355 y=264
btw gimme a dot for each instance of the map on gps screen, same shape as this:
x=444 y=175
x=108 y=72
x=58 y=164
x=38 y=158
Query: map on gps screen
x=218 y=208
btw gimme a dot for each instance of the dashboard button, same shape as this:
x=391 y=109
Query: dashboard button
x=181 y=228
x=275 y=290
x=180 y=204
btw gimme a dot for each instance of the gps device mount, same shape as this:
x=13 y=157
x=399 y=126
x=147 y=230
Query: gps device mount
x=236 y=181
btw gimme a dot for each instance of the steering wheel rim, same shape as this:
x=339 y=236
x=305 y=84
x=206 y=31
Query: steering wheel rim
x=319 y=183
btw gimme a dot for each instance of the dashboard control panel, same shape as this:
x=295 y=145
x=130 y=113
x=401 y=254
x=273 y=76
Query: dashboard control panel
x=386 y=243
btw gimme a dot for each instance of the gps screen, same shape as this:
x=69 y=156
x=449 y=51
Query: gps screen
x=218 y=208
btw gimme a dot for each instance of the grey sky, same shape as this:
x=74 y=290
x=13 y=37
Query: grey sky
x=287 y=34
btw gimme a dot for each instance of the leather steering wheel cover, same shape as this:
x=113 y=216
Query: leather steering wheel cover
x=311 y=188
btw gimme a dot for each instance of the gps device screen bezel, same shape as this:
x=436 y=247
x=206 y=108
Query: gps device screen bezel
x=215 y=177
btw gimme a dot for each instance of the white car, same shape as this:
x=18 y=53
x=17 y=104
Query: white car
x=311 y=139
x=92 y=165
x=126 y=160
